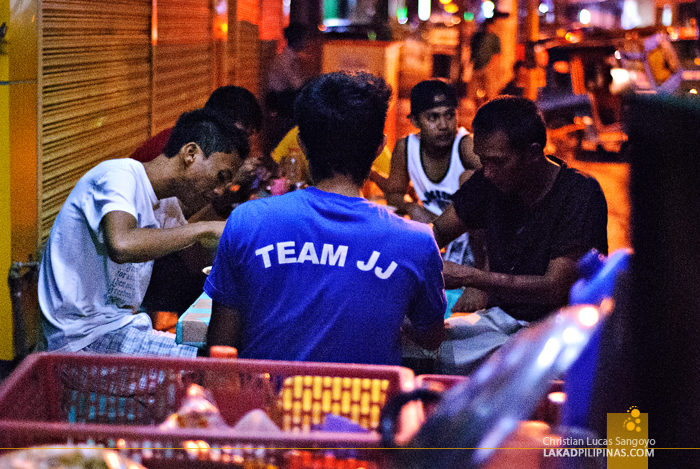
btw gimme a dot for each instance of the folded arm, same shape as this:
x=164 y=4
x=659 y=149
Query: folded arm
x=396 y=187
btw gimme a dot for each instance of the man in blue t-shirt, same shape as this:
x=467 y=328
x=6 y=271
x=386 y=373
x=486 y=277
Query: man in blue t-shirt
x=322 y=274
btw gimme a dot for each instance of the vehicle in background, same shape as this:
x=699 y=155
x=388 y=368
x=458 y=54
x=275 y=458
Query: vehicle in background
x=589 y=74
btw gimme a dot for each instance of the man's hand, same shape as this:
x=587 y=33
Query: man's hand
x=456 y=275
x=210 y=237
x=472 y=299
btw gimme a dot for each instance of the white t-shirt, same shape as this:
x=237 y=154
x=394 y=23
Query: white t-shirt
x=82 y=293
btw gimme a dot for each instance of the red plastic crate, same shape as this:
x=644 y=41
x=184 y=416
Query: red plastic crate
x=439 y=382
x=118 y=401
x=548 y=410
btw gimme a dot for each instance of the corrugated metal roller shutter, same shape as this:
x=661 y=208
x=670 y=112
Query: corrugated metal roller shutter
x=248 y=60
x=94 y=91
x=184 y=58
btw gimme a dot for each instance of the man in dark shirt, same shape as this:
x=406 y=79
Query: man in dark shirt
x=539 y=216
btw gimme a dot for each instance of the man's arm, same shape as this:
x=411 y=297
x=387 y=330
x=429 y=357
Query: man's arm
x=552 y=288
x=224 y=326
x=397 y=186
x=470 y=161
x=397 y=183
x=126 y=242
x=448 y=227
x=429 y=339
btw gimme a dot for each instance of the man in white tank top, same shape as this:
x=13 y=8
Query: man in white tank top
x=435 y=161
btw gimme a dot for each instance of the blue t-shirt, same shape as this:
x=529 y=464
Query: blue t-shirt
x=318 y=276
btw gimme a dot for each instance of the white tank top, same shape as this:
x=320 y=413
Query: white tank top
x=434 y=195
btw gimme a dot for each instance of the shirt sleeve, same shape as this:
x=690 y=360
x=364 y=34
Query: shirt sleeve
x=428 y=305
x=283 y=148
x=471 y=201
x=222 y=283
x=114 y=191
x=383 y=162
x=585 y=221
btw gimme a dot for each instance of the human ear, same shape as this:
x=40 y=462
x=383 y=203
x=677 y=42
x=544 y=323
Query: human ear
x=190 y=152
x=535 y=150
x=414 y=121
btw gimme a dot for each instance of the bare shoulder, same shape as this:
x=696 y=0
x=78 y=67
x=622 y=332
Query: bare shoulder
x=466 y=153
x=399 y=148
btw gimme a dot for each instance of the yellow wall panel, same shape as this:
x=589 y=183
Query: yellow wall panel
x=18 y=201
x=6 y=349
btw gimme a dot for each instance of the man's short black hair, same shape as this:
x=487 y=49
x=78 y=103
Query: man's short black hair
x=341 y=120
x=516 y=117
x=233 y=105
x=206 y=130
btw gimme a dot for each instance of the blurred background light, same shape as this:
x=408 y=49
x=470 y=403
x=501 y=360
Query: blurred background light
x=424 y=10
x=584 y=16
x=488 y=8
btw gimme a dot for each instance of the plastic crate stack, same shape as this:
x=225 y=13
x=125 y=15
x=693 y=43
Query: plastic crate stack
x=119 y=402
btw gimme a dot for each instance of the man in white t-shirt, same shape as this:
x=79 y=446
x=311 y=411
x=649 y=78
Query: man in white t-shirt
x=99 y=256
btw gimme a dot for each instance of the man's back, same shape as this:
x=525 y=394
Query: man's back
x=319 y=276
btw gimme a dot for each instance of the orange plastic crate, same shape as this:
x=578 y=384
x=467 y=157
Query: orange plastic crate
x=118 y=401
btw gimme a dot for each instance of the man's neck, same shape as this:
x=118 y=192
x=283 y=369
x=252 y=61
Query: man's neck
x=543 y=173
x=435 y=161
x=435 y=152
x=158 y=171
x=340 y=184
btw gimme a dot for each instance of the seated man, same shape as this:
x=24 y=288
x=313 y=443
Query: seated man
x=322 y=274
x=234 y=106
x=99 y=255
x=435 y=161
x=177 y=279
x=539 y=217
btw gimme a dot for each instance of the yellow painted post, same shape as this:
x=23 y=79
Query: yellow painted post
x=6 y=348
x=18 y=74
